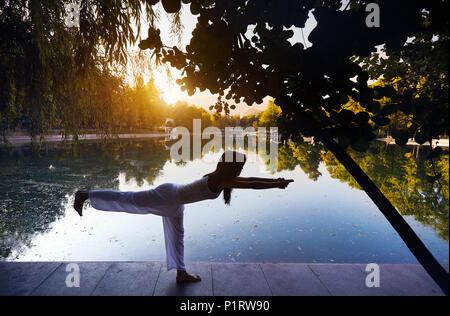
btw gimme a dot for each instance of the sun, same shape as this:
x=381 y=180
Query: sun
x=170 y=91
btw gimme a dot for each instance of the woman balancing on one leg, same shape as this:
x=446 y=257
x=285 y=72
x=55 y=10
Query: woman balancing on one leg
x=168 y=202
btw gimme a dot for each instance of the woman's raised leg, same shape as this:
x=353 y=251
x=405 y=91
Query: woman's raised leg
x=121 y=202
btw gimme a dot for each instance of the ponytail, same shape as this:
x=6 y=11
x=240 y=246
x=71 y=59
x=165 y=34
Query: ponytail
x=227 y=170
x=227 y=196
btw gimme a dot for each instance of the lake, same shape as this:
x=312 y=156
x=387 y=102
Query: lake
x=322 y=217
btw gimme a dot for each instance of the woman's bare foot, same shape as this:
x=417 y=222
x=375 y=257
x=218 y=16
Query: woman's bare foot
x=80 y=198
x=184 y=277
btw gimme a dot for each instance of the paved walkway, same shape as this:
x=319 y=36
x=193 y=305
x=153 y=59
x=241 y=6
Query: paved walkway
x=442 y=142
x=219 y=279
x=25 y=139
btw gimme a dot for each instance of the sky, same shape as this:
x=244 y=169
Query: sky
x=171 y=92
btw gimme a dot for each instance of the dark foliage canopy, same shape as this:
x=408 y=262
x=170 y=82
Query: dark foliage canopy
x=312 y=83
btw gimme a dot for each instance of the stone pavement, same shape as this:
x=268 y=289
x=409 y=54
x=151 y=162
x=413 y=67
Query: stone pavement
x=219 y=279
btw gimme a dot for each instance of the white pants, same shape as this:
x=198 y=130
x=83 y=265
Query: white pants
x=161 y=201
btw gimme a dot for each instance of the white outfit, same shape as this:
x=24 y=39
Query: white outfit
x=167 y=201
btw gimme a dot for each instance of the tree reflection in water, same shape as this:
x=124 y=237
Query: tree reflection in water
x=402 y=174
x=35 y=185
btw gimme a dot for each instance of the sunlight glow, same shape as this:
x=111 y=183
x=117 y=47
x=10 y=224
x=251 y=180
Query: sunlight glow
x=170 y=91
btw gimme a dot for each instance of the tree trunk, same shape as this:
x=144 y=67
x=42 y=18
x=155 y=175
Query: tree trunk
x=415 y=245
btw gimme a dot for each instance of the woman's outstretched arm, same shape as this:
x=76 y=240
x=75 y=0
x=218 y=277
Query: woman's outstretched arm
x=269 y=180
x=250 y=183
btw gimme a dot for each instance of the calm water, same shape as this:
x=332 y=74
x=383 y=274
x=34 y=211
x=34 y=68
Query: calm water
x=322 y=217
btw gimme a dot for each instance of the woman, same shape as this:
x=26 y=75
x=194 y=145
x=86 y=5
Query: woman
x=168 y=201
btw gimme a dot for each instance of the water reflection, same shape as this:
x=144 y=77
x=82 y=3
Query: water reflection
x=323 y=217
x=401 y=174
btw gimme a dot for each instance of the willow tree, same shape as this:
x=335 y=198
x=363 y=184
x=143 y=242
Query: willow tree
x=58 y=75
x=241 y=50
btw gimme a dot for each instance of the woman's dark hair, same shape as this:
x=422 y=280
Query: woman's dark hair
x=228 y=168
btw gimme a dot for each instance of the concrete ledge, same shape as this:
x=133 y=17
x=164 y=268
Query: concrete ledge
x=219 y=279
